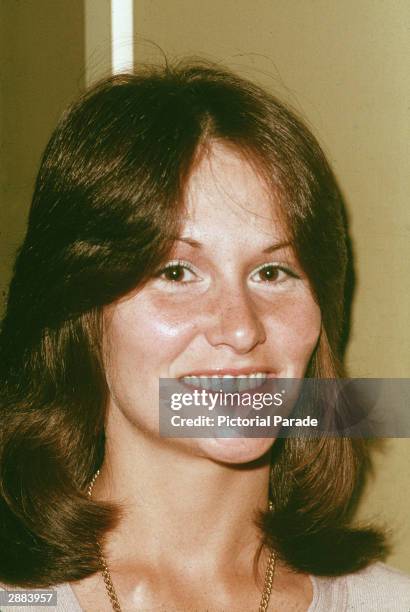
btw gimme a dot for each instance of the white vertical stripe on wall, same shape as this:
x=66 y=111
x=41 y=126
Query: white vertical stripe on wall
x=122 y=55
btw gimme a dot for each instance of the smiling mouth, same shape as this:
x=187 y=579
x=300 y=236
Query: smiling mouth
x=227 y=382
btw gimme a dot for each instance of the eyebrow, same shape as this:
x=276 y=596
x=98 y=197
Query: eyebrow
x=273 y=247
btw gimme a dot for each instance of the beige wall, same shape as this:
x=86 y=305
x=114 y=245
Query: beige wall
x=42 y=70
x=343 y=64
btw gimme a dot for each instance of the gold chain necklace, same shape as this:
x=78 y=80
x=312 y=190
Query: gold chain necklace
x=111 y=592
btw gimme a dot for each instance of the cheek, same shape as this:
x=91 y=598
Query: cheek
x=294 y=327
x=147 y=334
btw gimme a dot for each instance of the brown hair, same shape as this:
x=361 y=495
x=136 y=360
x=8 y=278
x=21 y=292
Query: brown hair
x=107 y=205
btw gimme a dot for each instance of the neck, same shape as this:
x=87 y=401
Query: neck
x=177 y=505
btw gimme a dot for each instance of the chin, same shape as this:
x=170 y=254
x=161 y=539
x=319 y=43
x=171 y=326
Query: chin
x=235 y=450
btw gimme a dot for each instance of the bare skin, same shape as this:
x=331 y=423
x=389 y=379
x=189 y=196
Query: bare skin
x=186 y=539
x=291 y=592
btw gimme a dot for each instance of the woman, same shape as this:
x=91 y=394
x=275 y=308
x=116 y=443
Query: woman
x=184 y=224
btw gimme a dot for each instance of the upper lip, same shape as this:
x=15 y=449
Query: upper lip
x=230 y=371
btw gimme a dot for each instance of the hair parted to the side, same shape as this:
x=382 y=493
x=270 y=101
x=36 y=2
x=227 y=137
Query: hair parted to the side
x=108 y=204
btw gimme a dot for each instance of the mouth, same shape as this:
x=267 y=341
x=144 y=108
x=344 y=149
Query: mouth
x=227 y=382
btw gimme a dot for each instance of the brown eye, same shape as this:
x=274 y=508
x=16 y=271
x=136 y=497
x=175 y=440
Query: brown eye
x=269 y=273
x=178 y=273
x=174 y=273
x=273 y=273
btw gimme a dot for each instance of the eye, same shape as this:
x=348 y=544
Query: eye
x=272 y=273
x=178 y=272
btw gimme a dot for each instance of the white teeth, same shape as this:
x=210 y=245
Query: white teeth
x=243 y=383
x=216 y=382
x=227 y=382
x=204 y=382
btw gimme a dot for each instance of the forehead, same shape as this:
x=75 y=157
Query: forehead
x=225 y=193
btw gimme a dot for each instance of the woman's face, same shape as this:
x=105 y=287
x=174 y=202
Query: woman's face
x=231 y=300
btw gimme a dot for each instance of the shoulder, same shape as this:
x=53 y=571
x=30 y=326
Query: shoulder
x=376 y=588
x=380 y=586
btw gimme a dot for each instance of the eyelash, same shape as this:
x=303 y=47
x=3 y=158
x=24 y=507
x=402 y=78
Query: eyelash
x=185 y=265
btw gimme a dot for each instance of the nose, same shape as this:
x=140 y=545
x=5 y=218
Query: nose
x=234 y=322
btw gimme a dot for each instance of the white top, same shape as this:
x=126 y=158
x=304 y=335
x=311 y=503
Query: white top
x=378 y=588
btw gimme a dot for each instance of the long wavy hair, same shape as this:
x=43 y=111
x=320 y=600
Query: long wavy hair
x=107 y=206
